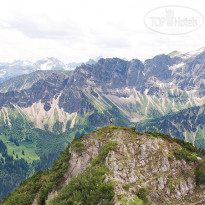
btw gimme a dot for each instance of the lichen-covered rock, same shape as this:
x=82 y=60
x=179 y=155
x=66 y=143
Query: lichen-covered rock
x=139 y=161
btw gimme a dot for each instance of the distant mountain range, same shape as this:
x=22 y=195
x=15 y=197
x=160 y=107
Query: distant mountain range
x=20 y=67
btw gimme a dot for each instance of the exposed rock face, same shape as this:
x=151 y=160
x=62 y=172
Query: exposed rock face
x=25 y=81
x=79 y=162
x=147 y=166
x=158 y=67
x=139 y=161
x=43 y=90
x=192 y=73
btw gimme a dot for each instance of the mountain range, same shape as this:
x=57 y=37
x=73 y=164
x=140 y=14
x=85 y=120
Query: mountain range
x=140 y=91
x=42 y=111
x=20 y=67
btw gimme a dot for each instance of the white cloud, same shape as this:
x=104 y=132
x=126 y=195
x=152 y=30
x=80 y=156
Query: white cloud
x=76 y=30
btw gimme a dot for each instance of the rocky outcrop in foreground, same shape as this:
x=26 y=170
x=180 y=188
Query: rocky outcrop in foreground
x=133 y=168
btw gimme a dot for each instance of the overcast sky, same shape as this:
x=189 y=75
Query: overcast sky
x=76 y=30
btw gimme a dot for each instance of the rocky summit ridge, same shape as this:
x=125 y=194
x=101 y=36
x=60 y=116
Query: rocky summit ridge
x=117 y=165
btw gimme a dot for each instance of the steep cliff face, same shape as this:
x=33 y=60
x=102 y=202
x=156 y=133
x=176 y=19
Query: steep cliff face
x=158 y=67
x=25 y=81
x=43 y=90
x=140 y=168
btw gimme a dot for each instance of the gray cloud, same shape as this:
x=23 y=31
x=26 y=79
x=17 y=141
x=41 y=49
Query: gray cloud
x=79 y=30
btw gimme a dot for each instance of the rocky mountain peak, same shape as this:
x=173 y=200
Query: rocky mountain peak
x=158 y=67
x=110 y=73
x=49 y=64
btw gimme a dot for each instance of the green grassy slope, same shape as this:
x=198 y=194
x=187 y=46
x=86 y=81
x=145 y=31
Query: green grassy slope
x=28 y=150
x=188 y=124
